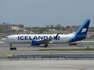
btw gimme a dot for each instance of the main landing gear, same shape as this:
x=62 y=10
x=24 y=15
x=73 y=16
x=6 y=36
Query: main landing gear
x=46 y=45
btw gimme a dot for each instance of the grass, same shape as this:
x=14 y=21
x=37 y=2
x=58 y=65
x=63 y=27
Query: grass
x=84 y=49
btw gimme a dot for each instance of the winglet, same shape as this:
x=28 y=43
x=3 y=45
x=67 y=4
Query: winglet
x=56 y=36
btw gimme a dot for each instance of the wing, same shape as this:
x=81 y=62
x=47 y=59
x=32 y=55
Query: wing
x=48 y=40
x=45 y=41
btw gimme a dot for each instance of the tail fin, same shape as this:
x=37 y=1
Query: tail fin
x=83 y=29
x=81 y=32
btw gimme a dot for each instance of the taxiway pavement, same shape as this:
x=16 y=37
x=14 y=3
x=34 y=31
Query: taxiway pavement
x=47 y=65
x=28 y=49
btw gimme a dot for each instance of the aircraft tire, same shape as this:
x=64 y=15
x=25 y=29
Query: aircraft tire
x=10 y=45
x=72 y=43
x=12 y=48
x=46 y=45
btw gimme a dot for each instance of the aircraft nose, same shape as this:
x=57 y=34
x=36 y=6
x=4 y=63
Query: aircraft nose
x=3 y=39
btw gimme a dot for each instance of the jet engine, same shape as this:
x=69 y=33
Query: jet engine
x=35 y=42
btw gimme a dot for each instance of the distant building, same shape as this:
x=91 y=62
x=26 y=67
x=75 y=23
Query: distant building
x=5 y=26
x=73 y=28
x=17 y=27
x=14 y=27
x=9 y=27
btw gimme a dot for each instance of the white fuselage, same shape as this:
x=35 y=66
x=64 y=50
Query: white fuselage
x=27 y=38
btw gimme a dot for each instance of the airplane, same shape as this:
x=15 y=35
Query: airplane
x=38 y=39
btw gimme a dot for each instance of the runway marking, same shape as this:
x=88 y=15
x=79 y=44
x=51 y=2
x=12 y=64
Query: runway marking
x=8 y=54
x=49 y=53
x=74 y=47
x=21 y=48
x=76 y=51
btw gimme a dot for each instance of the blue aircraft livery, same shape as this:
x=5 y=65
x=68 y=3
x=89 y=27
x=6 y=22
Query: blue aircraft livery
x=37 y=37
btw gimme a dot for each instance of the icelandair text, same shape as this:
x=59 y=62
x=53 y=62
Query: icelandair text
x=37 y=37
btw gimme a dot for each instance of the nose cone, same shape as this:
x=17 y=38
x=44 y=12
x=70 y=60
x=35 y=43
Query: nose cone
x=3 y=39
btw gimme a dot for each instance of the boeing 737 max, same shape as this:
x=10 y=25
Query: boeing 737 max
x=38 y=39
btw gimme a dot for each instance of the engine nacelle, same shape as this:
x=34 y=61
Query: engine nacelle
x=35 y=42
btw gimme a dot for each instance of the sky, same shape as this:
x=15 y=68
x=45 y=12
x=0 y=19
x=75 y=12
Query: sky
x=46 y=12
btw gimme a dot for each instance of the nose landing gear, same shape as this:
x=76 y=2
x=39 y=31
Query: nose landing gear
x=12 y=48
x=10 y=45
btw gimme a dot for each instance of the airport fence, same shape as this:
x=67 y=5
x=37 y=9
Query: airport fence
x=50 y=56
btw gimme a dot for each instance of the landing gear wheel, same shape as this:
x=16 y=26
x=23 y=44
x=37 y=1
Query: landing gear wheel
x=46 y=45
x=10 y=45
